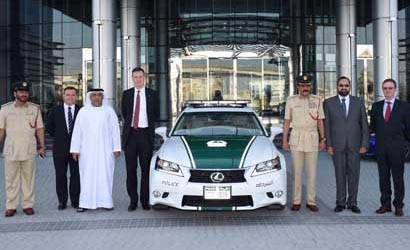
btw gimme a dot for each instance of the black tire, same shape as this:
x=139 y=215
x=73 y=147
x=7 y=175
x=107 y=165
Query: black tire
x=277 y=207
x=160 y=207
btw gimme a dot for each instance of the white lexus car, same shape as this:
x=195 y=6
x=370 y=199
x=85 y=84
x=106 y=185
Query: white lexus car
x=218 y=156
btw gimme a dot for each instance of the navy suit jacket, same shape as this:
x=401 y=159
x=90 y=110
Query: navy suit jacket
x=56 y=126
x=127 y=109
x=392 y=134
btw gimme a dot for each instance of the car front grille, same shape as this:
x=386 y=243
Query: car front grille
x=235 y=201
x=230 y=176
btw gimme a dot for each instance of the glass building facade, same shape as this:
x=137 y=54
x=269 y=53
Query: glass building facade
x=248 y=49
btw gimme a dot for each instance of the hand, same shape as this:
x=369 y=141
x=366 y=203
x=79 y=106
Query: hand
x=330 y=151
x=322 y=146
x=285 y=146
x=42 y=152
x=76 y=156
x=117 y=154
x=362 y=150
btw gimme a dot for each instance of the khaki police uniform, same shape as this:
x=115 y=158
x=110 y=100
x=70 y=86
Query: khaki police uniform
x=20 y=148
x=303 y=114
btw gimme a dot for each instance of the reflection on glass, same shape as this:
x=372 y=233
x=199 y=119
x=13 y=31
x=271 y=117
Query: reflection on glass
x=194 y=80
x=221 y=77
x=249 y=72
x=72 y=60
x=72 y=35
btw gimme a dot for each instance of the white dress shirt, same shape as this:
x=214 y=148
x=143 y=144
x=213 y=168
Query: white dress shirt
x=347 y=102
x=385 y=106
x=66 y=114
x=143 y=118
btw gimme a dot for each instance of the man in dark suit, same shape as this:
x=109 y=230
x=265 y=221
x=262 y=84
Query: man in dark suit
x=390 y=120
x=60 y=124
x=140 y=110
x=347 y=133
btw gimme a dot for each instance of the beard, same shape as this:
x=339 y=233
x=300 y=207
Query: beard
x=22 y=98
x=343 y=92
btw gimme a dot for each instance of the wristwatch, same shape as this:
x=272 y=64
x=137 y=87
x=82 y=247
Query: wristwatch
x=322 y=138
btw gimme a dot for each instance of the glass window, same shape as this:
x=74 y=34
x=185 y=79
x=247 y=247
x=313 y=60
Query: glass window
x=3 y=13
x=52 y=35
x=330 y=86
x=329 y=34
x=218 y=123
x=87 y=36
x=73 y=10
x=72 y=37
x=72 y=62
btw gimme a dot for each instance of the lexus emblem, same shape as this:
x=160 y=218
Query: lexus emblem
x=217 y=177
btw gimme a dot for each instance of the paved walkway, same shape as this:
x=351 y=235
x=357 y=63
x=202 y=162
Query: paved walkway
x=174 y=229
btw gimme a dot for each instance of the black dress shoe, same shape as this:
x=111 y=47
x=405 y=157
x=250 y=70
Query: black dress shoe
x=399 y=212
x=339 y=208
x=355 y=209
x=146 y=207
x=132 y=207
x=62 y=206
x=74 y=205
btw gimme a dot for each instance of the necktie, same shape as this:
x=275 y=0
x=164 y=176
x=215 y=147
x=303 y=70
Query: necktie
x=344 y=107
x=70 y=121
x=137 y=111
x=388 y=112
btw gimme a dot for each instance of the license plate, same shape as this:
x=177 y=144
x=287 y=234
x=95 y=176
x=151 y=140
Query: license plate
x=217 y=193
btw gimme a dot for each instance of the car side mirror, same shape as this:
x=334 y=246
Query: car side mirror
x=274 y=131
x=162 y=131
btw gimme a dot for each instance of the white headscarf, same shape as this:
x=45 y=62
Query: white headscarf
x=88 y=100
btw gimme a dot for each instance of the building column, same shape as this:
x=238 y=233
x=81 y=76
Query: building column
x=346 y=41
x=130 y=40
x=162 y=55
x=104 y=48
x=385 y=39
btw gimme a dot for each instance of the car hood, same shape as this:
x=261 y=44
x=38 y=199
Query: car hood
x=217 y=152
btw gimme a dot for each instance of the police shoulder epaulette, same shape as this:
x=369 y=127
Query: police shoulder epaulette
x=317 y=97
x=6 y=104
x=34 y=104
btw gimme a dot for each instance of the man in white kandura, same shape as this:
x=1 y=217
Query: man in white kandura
x=95 y=144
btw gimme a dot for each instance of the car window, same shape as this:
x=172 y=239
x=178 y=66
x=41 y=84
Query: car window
x=218 y=123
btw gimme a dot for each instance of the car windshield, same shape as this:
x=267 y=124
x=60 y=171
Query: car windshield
x=218 y=123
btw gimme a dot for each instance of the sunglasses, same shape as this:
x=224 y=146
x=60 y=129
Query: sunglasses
x=388 y=88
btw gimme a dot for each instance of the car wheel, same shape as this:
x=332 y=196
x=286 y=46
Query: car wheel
x=275 y=207
x=160 y=207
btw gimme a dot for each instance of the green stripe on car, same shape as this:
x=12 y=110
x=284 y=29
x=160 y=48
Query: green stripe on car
x=224 y=152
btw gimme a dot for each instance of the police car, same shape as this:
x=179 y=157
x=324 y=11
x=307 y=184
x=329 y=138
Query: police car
x=218 y=156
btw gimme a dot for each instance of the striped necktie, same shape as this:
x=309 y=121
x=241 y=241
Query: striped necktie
x=70 y=121
x=344 y=107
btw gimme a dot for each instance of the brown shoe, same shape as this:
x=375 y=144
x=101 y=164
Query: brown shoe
x=28 y=211
x=399 y=212
x=312 y=208
x=383 y=210
x=295 y=207
x=10 y=212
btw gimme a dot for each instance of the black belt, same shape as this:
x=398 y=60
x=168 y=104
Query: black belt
x=140 y=129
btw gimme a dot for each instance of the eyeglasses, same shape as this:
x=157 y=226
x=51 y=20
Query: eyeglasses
x=388 y=88
x=344 y=85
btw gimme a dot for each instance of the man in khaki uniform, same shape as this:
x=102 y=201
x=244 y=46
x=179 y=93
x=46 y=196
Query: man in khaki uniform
x=305 y=112
x=21 y=122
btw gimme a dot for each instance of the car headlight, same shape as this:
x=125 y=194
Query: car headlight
x=266 y=167
x=168 y=167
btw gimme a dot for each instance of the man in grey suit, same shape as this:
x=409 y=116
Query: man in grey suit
x=347 y=133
